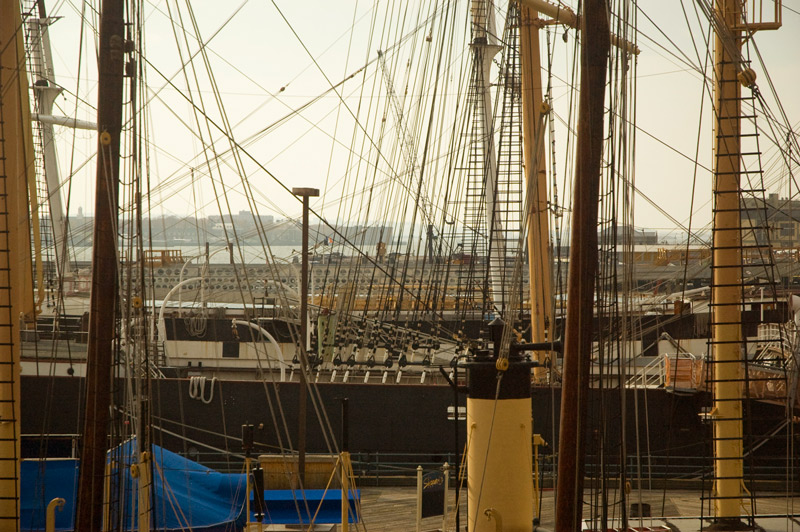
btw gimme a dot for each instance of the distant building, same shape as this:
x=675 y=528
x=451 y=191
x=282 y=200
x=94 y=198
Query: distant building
x=774 y=221
x=632 y=235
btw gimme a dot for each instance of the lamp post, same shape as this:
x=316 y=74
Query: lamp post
x=305 y=193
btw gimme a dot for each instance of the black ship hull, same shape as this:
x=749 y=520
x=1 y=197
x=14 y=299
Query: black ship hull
x=665 y=434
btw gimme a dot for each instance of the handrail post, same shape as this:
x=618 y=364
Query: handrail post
x=419 y=499
x=446 y=474
x=50 y=518
x=247 y=490
x=345 y=465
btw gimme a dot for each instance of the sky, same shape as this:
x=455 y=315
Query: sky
x=671 y=100
x=268 y=58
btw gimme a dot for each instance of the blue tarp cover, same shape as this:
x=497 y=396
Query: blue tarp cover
x=186 y=494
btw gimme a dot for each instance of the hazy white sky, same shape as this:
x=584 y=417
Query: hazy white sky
x=265 y=64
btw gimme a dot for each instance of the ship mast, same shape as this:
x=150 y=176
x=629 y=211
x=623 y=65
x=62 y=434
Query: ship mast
x=16 y=282
x=485 y=47
x=534 y=107
x=727 y=347
x=499 y=426
x=45 y=91
x=595 y=46
x=103 y=302
x=726 y=329
x=539 y=253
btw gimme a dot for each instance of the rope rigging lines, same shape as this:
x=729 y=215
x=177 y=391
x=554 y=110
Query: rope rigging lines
x=419 y=237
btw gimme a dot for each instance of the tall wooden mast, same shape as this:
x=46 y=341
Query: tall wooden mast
x=595 y=39
x=103 y=302
x=16 y=283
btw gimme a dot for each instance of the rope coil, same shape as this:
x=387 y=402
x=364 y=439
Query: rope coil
x=197 y=387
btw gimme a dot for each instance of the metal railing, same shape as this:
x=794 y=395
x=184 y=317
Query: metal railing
x=649 y=376
x=400 y=469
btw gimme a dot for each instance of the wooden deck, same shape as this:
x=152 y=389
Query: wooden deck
x=393 y=509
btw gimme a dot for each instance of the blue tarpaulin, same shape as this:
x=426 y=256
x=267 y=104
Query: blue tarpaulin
x=186 y=494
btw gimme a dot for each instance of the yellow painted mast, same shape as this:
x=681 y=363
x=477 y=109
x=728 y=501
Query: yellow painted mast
x=726 y=288
x=18 y=126
x=533 y=107
x=539 y=252
x=16 y=283
x=727 y=292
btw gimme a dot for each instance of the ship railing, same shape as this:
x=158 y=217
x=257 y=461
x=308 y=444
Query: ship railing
x=774 y=334
x=650 y=376
x=63 y=327
x=149 y=368
x=154 y=370
x=647 y=470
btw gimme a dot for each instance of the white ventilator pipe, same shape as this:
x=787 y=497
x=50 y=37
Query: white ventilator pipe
x=162 y=329
x=268 y=336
